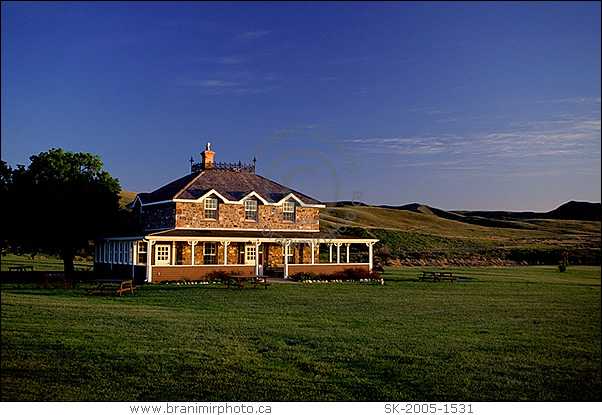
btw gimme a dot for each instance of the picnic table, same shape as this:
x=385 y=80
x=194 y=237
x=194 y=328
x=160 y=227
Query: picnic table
x=107 y=284
x=52 y=279
x=241 y=281
x=21 y=268
x=437 y=276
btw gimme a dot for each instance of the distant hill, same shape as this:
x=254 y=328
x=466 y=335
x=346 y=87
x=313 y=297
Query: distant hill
x=577 y=211
x=572 y=210
x=418 y=232
x=127 y=197
x=569 y=211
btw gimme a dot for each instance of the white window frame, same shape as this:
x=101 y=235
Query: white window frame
x=162 y=254
x=288 y=211
x=251 y=210
x=250 y=254
x=142 y=252
x=290 y=252
x=210 y=250
x=211 y=206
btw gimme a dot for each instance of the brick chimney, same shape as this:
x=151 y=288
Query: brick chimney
x=207 y=158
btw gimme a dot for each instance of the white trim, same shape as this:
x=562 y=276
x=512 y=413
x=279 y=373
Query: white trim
x=210 y=193
x=233 y=202
x=290 y=196
x=254 y=194
x=122 y=238
x=248 y=239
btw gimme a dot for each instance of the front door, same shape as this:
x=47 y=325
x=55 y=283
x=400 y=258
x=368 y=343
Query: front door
x=251 y=256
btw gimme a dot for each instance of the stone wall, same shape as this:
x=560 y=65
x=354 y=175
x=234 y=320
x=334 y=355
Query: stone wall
x=230 y=216
x=301 y=254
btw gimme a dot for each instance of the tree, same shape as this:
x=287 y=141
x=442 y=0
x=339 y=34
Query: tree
x=58 y=204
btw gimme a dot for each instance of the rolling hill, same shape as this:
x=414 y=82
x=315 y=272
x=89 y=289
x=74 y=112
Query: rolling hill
x=415 y=230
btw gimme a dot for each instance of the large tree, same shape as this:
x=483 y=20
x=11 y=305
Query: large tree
x=59 y=203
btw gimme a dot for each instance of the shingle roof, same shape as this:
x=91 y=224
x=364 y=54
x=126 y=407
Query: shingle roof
x=233 y=186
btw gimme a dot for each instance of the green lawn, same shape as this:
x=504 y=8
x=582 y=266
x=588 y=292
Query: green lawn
x=499 y=334
x=45 y=264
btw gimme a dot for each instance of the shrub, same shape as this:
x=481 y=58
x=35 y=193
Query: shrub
x=303 y=276
x=356 y=274
x=217 y=275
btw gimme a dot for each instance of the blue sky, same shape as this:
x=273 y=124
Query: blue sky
x=492 y=106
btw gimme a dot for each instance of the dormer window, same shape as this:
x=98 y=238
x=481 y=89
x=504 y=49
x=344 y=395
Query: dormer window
x=251 y=210
x=288 y=211
x=211 y=208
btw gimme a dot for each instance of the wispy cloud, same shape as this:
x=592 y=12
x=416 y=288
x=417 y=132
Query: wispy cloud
x=226 y=85
x=571 y=100
x=224 y=60
x=251 y=35
x=520 y=149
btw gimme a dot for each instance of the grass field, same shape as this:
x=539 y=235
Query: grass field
x=500 y=334
x=40 y=263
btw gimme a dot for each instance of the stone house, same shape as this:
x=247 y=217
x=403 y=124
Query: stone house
x=224 y=217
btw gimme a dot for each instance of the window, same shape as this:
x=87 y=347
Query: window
x=251 y=210
x=142 y=252
x=120 y=252
x=288 y=211
x=210 y=253
x=211 y=208
x=162 y=254
x=250 y=254
x=290 y=253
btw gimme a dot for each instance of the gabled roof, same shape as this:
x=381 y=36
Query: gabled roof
x=232 y=187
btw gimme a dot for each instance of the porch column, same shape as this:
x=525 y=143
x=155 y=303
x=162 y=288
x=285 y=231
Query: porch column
x=285 y=246
x=257 y=243
x=192 y=245
x=225 y=245
x=348 y=245
x=330 y=249
x=172 y=254
x=149 y=261
x=370 y=256
x=133 y=256
x=313 y=254
x=338 y=244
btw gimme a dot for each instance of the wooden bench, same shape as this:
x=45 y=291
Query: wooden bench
x=111 y=285
x=21 y=268
x=437 y=276
x=51 y=280
x=260 y=282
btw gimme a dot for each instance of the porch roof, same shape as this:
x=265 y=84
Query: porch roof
x=247 y=235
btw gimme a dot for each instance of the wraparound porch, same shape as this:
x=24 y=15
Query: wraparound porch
x=190 y=255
